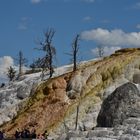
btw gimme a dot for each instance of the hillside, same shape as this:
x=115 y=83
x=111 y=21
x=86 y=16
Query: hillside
x=51 y=105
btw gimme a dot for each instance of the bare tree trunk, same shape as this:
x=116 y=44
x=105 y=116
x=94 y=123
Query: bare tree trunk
x=50 y=62
x=77 y=115
x=75 y=60
x=75 y=52
x=50 y=50
x=21 y=62
x=20 y=67
x=100 y=51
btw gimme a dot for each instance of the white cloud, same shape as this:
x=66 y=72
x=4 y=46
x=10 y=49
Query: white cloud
x=5 y=63
x=22 y=27
x=138 y=26
x=106 y=49
x=24 y=23
x=136 y=5
x=87 y=18
x=89 y=1
x=35 y=1
x=67 y=0
x=115 y=37
x=105 y=21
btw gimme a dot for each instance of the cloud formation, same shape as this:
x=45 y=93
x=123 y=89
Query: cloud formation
x=5 y=63
x=115 y=37
x=24 y=23
x=87 y=18
x=35 y=1
x=105 y=21
x=136 y=5
x=89 y=1
x=106 y=50
x=138 y=26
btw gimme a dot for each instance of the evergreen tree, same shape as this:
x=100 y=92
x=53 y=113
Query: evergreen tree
x=11 y=73
x=36 y=65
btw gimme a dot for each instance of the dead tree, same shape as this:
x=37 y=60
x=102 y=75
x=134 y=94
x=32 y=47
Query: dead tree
x=74 y=55
x=21 y=62
x=100 y=50
x=46 y=62
x=75 y=50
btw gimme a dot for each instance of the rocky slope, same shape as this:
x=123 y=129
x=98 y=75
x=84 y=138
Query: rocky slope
x=52 y=105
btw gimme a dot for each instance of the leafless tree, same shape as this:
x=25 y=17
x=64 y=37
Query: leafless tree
x=100 y=50
x=74 y=55
x=46 y=62
x=75 y=50
x=21 y=62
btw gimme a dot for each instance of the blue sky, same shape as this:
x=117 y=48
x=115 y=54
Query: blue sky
x=112 y=23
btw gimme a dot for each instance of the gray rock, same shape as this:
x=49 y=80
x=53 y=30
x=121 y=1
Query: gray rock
x=132 y=121
x=123 y=103
x=23 y=91
x=88 y=125
x=128 y=137
x=78 y=138
x=72 y=134
x=62 y=137
x=100 y=133
x=136 y=78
